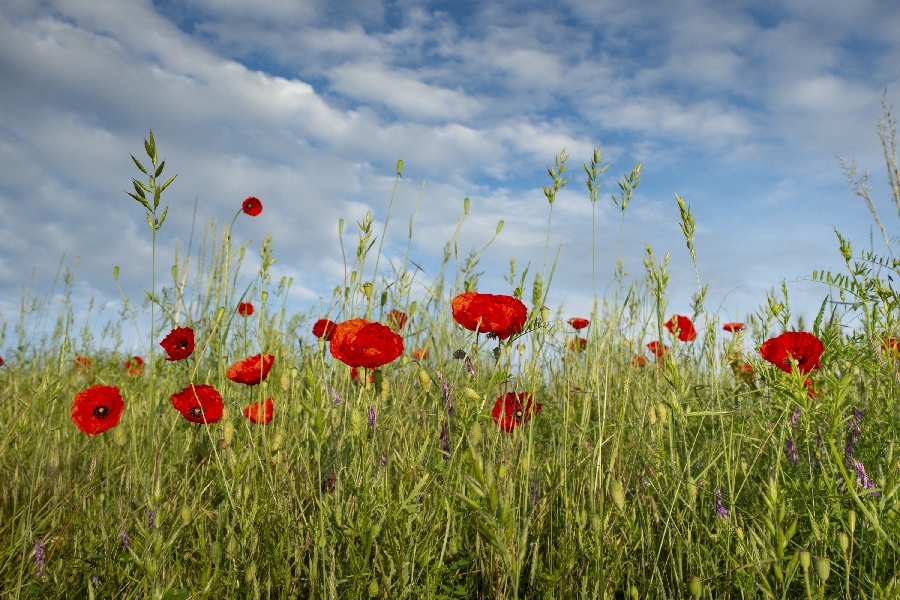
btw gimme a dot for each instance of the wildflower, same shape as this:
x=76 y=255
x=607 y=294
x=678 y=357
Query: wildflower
x=578 y=323
x=513 y=410
x=721 y=511
x=134 y=366
x=251 y=206
x=445 y=442
x=396 y=319
x=534 y=493
x=179 y=343
x=260 y=412
x=420 y=354
x=245 y=309
x=334 y=395
x=682 y=328
x=795 y=418
x=459 y=354
x=891 y=346
x=359 y=343
x=639 y=361
x=445 y=388
x=371 y=419
x=323 y=328
x=252 y=370
x=861 y=476
x=501 y=316
x=805 y=348
x=97 y=409
x=328 y=484
x=83 y=362
x=150 y=519
x=741 y=369
x=733 y=327
x=790 y=450
x=124 y=540
x=199 y=403
x=658 y=349
x=579 y=344
x=39 y=556
x=1 y=361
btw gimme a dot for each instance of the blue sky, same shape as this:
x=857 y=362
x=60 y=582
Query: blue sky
x=739 y=107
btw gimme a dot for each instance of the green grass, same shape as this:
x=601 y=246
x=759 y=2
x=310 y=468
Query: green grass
x=610 y=491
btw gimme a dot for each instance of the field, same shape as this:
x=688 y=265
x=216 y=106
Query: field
x=502 y=450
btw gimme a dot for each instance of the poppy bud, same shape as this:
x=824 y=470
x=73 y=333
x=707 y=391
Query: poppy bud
x=843 y=542
x=264 y=296
x=617 y=492
x=367 y=289
x=635 y=594
x=383 y=298
x=355 y=421
x=475 y=432
x=279 y=438
x=695 y=587
x=497 y=353
x=805 y=560
x=215 y=552
x=285 y=382
x=231 y=546
x=373 y=589
x=425 y=380
x=851 y=521
x=823 y=568
x=250 y=573
x=545 y=313
x=185 y=515
x=472 y=394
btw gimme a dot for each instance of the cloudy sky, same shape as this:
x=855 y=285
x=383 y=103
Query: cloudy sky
x=739 y=107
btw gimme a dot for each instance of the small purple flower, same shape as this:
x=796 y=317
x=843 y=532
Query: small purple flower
x=371 y=419
x=445 y=439
x=790 y=450
x=95 y=582
x=534 y=493
x=39 y=557
x=858 y=415
x=470 y=368
x=150 y=521
x=383 y=462
x=124 y=540
x=862 y=477
x=795 y=418
x=334 y=395
x=445 y=386
x=459 y=354
x=721 y=511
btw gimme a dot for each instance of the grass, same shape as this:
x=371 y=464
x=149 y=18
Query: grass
x=671 y=480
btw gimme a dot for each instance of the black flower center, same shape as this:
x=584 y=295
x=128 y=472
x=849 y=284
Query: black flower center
x=518 y=415
x=100 y=411
x=197 y=411
x=181 y=346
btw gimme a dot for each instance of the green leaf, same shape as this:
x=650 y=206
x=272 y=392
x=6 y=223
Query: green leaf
x=139 y=165
x=180 y=594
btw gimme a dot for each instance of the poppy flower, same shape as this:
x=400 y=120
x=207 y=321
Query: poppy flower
x=803 y=347
x=682 y=327
x=733 y=327
x=578 y=322
x=323 y=329
x=251 y=370
x=579 y=344
x=97 y=409
x=813 y=391
x=84 y=362
x=513 y=410
x=396 y=319
x=639 y=361
x=134 y=366
x=657 y=348
x=1 y=361
x=889 y=346
x=360 y=343
x=354 y=375
x=245 y=309
x=500 y=316
x=260 y=412
x=418 y=354
x=252 y=206
x=179 y=343
x=199 y=403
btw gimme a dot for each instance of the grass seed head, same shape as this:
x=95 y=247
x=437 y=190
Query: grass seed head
x=617 y=492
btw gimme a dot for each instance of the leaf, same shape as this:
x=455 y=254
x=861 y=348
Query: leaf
x=180 y=594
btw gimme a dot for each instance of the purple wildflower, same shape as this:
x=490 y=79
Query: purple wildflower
x=534 y=493
x=334 y=395
x=795 y=418
x=445 y=387
x=124 y=540
x=862 y=477
x=39 y=557
x=371 y=419
x=721 y=511
x=858 y=415
x=790 y=450
x=459 y=354
x=470 y=368
x=383 y=462
x=150 y=521
x=95 y=582
x=445 y=439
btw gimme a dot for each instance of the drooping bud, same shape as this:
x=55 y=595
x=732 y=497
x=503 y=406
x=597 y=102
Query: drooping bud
x=823 y=568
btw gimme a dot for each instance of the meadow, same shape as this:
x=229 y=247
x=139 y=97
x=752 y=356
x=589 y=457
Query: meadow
x=422 y=440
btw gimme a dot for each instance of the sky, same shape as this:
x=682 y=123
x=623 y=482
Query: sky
x=739 y=107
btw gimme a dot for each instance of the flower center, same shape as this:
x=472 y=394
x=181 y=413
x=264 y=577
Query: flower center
x=197 y=411
x=100 y=411
x=518 y=415
x=181 y=346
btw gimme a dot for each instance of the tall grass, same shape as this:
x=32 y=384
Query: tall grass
x=671 y=480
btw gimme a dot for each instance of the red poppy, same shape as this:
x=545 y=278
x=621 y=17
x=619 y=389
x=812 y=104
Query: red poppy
x=245 y=309
x=639 y=361
x=510 y=412
x=1 y=361
x=324 y=329
x=682 y=328
x=260 y=412
x=354 y=375
x=657 y=348
x=84 y=362
x=733 y=327
x=501 y=316
x=419 y=354
x=814 y=391
x=579 y=344
x=803 y=347
x=360 y=343
x=134 y=366
x=396 y=319
x=179 y=343
x=97 y=409
x=199 y=403
x=252 y=206
x=578 y=322
x=251 y=370
x=889 y=346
